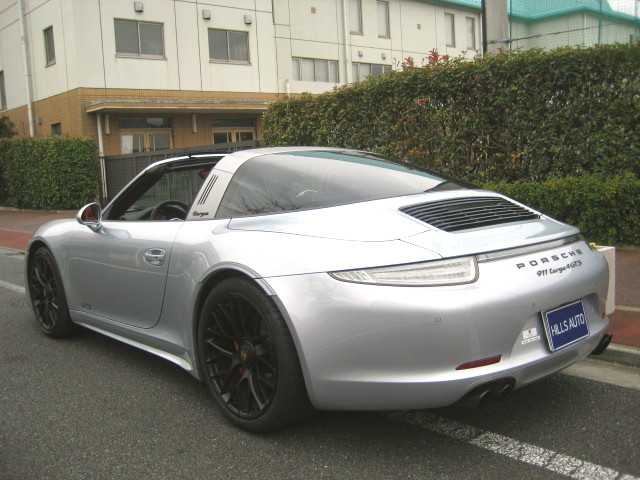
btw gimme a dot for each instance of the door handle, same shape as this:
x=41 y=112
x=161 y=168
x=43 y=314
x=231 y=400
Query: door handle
x=154 y=256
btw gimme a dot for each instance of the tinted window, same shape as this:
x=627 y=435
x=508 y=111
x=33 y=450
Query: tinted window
x=228 y=46
x=141 y=122
x=316 y=179
x=139 y=38
x=162 y=183
x=49 y=46
x=181 y=185
x=126 y=33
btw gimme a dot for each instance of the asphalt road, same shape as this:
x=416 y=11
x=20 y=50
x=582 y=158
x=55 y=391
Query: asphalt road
x=89 y=407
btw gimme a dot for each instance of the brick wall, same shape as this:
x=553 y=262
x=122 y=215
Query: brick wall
x=76 y=111
x=64 y=109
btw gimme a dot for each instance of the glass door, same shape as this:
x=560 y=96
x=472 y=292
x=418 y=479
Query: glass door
x=223 y=135
x=233 y=129
x=145 y=141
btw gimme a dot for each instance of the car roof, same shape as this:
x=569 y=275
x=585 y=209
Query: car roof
x=230 y=161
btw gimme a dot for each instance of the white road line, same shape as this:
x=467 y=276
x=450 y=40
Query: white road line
x=524 y=452
x=12 y=287
x=605 y=372
x=627 y=309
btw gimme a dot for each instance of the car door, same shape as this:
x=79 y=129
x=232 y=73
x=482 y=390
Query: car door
x=120 y=272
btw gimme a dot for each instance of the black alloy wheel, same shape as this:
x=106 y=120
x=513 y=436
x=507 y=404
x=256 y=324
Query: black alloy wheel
x=248 y=358
x=47 y=294
x=241 y=360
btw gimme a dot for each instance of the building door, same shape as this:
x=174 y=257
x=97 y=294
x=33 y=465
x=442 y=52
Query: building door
x=226 y=135
x=145 y=141
x=145 y=134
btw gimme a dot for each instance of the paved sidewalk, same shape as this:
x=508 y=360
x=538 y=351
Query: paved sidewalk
x=17 y=226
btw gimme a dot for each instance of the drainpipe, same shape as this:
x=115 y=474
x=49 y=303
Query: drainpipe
x=510 y=20
x=27 y=67
x=347 y=43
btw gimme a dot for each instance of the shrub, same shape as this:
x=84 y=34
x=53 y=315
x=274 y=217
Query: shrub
x=606 y=208
x=49 y=173
x=7 y=127
x=529 y=115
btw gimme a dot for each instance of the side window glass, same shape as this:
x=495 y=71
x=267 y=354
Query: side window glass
x=168 y=198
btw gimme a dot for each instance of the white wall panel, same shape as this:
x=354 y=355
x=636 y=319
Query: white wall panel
x=47 y=80
x=220 y=76
x=266 y=54
x=141 y=73
x=188 y=19
x=321 y=26
x=12 y=66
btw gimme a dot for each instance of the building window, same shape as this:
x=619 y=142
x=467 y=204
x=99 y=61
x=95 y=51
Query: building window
x=140 y=39
x=145 y=122
x=383 y=19
x=355 y=16
x=228 y=46
x=315 y=70
x=144 y=134
x=363 y=70
x=471 y=33
x=3 y=95
x=233 y=129
x=49 y=46
x=56 y=129
x=449 y=25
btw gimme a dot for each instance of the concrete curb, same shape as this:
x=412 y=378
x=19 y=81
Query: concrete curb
x=14 y=209
x=620 y=354
x=11 y=251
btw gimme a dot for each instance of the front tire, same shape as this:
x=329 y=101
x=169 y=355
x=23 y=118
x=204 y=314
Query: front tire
x=47 y=295
x=248 y=358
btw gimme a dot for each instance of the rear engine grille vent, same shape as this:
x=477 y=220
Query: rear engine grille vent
x=207 y=190
x=464 y=213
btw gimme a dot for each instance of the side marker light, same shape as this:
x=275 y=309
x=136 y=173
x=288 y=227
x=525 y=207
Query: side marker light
x=480 y=363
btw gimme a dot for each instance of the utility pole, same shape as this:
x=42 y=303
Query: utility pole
x=495 y=26
x=635 y=37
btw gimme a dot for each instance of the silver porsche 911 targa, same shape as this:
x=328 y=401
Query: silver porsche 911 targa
x=289 y=279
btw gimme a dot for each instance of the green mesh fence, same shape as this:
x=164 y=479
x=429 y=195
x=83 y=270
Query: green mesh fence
x=554 y=23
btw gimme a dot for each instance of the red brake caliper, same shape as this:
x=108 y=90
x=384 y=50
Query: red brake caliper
x=236 y=347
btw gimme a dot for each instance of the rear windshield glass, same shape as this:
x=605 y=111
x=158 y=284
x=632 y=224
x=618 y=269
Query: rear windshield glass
x=315 y=179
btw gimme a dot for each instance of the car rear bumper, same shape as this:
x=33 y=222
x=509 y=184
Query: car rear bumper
x=371 y=347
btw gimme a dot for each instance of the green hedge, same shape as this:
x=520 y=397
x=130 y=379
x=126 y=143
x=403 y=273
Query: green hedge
x=48 y=173
x=529 y=115
x=545 y=127
x=606 y=208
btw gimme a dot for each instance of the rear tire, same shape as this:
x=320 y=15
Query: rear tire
x=249 y=360
x=47 y=295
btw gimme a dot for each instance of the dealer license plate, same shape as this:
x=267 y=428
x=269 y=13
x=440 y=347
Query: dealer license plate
x=565 y=325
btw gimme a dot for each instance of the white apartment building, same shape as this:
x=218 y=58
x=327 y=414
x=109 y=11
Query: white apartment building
x=155 y=74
